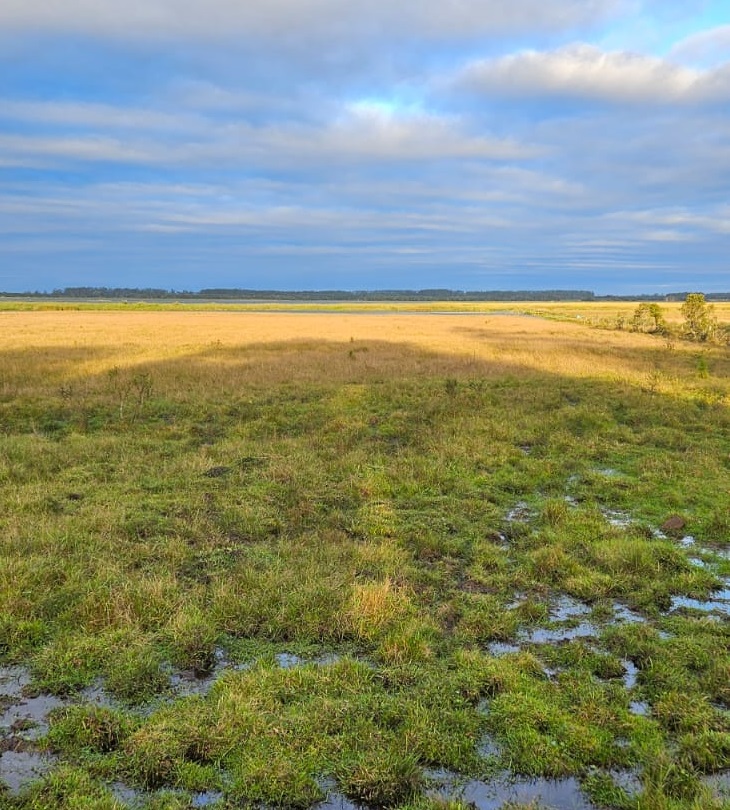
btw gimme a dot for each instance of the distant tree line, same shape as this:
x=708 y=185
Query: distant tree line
x=234 y=294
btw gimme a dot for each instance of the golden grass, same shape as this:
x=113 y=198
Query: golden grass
x=231 y=350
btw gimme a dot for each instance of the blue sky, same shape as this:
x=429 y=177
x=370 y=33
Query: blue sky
x=360 y=144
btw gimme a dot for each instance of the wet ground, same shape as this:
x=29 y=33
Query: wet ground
x=24 y=719
x=24 y=714
x=565 y=794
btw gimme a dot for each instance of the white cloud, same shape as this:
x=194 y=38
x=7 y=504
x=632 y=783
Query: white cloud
x=370 y=131
x=709 y=47
x=585 y=71
x=297 y=18
x=105 y=116
x=90 y=148
x=361 y=133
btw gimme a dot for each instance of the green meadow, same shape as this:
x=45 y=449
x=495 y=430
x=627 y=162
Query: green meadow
x=401 y=560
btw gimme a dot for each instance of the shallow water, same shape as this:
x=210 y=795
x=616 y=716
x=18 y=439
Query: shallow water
x=12 y=682
x=289 y=660
x=629 y=781
x=563 y=794
x=720 y=602
x=719 y=783
x=19 y=768
x=125 y=794
x=616 y=518
x=520 y=513
x=96 y=695
x=30 y=711
x=543 y=635
x=623 y=613
x=336 y=801
x=498 y=648
x=205 y=798
x=566 y=607
x=631 y=674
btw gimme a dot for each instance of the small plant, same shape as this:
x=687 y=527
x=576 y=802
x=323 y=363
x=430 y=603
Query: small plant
x=81 y=729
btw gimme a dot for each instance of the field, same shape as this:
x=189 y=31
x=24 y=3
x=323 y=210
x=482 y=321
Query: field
x=403 y=558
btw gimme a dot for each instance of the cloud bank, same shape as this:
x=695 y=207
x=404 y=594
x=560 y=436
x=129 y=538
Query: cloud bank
x=472 y=144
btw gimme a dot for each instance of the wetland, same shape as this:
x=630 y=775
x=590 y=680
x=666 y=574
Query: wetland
x=266 y=560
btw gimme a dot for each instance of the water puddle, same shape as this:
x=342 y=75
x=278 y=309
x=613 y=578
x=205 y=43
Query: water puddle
x=560 y=793
x=336 y=801
x=191 y=682
x=124 y=793
x=499 y=648
x=19 y=768
x=566 y=607
x=628 y=781
x=631 y=674
x=489 y=747
x=135 y=797
x=12 y=682
x=289 y=660
x=564 y=611
x=29 y=715
x=545 y=635
x=617 y=518
x=639 y=707
x=719 y=784
x=623 y=613
x=520 y=513
x=206 y=798
x=96 y=695
x=720 y=603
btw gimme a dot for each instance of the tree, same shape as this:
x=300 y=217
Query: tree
x=648 y=318
x=700 y=322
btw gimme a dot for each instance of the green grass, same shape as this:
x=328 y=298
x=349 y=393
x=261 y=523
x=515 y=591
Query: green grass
x=365 y=519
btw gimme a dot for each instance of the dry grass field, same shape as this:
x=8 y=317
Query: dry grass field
x=75 y=345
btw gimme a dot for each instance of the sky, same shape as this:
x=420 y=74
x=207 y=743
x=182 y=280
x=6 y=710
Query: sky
x=365 y=144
